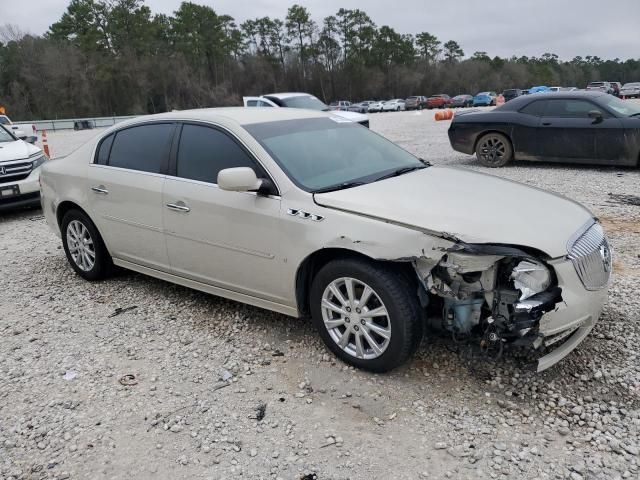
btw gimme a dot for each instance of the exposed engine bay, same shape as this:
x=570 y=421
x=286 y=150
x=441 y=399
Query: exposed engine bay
x=490 y=299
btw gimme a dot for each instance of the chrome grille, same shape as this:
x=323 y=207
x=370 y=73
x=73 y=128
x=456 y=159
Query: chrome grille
x=13 y=172
x=591 y=257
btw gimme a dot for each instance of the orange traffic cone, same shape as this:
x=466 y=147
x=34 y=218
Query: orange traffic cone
x=45 y=145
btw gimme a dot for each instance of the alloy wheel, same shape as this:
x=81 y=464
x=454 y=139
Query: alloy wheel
x=80 y=244
x=356 y=318
x=492 y=150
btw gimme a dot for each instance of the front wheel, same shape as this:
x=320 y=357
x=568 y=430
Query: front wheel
x=494 y=150
x=367 y=315
x=84 y=247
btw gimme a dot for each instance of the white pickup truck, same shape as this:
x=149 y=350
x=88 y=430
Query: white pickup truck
x=302 y=100
x=17 y=130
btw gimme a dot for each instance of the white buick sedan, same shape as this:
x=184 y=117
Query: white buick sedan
x=374 y=244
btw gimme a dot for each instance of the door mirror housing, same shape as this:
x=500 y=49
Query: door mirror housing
x=238 y=179
x=596 y=115
x=32 y=139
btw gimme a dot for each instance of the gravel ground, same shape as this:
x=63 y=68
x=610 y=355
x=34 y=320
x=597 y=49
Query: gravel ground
x=187 y=385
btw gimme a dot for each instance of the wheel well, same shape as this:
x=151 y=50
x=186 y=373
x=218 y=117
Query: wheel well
x=508 y=137
x=311 y=265
x=64 y=207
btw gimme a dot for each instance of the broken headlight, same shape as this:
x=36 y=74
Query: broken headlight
x=530 y=278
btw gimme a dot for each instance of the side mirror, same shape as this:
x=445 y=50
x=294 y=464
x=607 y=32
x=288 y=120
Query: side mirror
x=596 y=115
x=32 y=139
x=238 y=179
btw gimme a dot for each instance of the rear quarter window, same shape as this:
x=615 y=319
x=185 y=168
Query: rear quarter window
x=534 y=108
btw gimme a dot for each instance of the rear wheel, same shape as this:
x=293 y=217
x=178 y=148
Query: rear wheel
x=494 y=150
x=366 y=315
x=84 y=247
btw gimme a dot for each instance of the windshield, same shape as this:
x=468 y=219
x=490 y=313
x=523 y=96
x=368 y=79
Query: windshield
x=308 y=102
x=318 y=153
x=620 y=106
x=5 y=136
x=486 y=94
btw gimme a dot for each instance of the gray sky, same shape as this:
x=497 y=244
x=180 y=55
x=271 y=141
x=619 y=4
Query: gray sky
x=608 y=29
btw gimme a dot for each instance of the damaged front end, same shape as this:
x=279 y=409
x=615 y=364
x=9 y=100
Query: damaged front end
x=489 y=296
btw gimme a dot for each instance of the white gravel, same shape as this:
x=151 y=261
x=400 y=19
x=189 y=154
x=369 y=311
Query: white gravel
x=64 y=412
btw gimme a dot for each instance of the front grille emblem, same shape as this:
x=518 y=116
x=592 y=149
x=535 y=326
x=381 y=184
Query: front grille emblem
x=3 y=171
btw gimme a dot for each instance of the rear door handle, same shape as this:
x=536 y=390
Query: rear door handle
x=178 y=207
x=546 y=124
x=100 y=189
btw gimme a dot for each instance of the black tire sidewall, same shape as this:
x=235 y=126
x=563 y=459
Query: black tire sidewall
x=103 y=262
x=508 y=150
x=398 y=297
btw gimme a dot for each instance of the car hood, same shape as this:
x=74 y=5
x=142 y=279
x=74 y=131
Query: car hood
x=469 y=206
x=17 y=150
x=353 y=116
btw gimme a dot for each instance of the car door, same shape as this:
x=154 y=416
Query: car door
x=257 y=102
x=612 y=139
x=566 y=131
x=230 y=240
x=125 y=197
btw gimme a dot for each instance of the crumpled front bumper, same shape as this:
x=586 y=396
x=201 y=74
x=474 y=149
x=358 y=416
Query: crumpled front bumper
x=573 y=318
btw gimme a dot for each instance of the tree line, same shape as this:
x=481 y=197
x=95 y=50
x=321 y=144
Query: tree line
x=116 y=57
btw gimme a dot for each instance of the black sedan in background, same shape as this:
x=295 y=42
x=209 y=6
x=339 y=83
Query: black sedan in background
x=580 y=127
x=461 y=101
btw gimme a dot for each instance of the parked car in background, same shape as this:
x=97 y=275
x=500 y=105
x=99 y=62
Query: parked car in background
x=630 y=90
x=376 y=107
x=461 y=101
x=580 y=127
x=20 y=163
x=416 y=103
x=442 y=100
x=395 y=105
x=302 y=100
x=484 y=99
x=340 y=105
x=539 y=89
x=290 y=211
x=511 y=93
x=600 y=87
x=555 y=89
x=616 y=88
x=525 y=91
x=15 y=129
x=360 y=107
x=569 y=89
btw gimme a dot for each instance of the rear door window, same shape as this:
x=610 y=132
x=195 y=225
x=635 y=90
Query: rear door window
x=204 y=151
x=144 y=148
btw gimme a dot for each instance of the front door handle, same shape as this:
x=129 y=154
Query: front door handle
x=178 y=207
x=546 y=124
x=100 y=189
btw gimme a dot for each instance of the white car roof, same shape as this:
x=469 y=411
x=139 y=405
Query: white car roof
x=287 y=95
x=239 y=115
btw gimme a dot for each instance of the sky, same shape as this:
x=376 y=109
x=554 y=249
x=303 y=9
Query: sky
x=499 y=27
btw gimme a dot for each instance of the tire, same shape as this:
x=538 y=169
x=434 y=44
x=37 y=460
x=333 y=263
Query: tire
x=391 y=290
x=76 y=224
x=494 y=150
x=397 y=109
